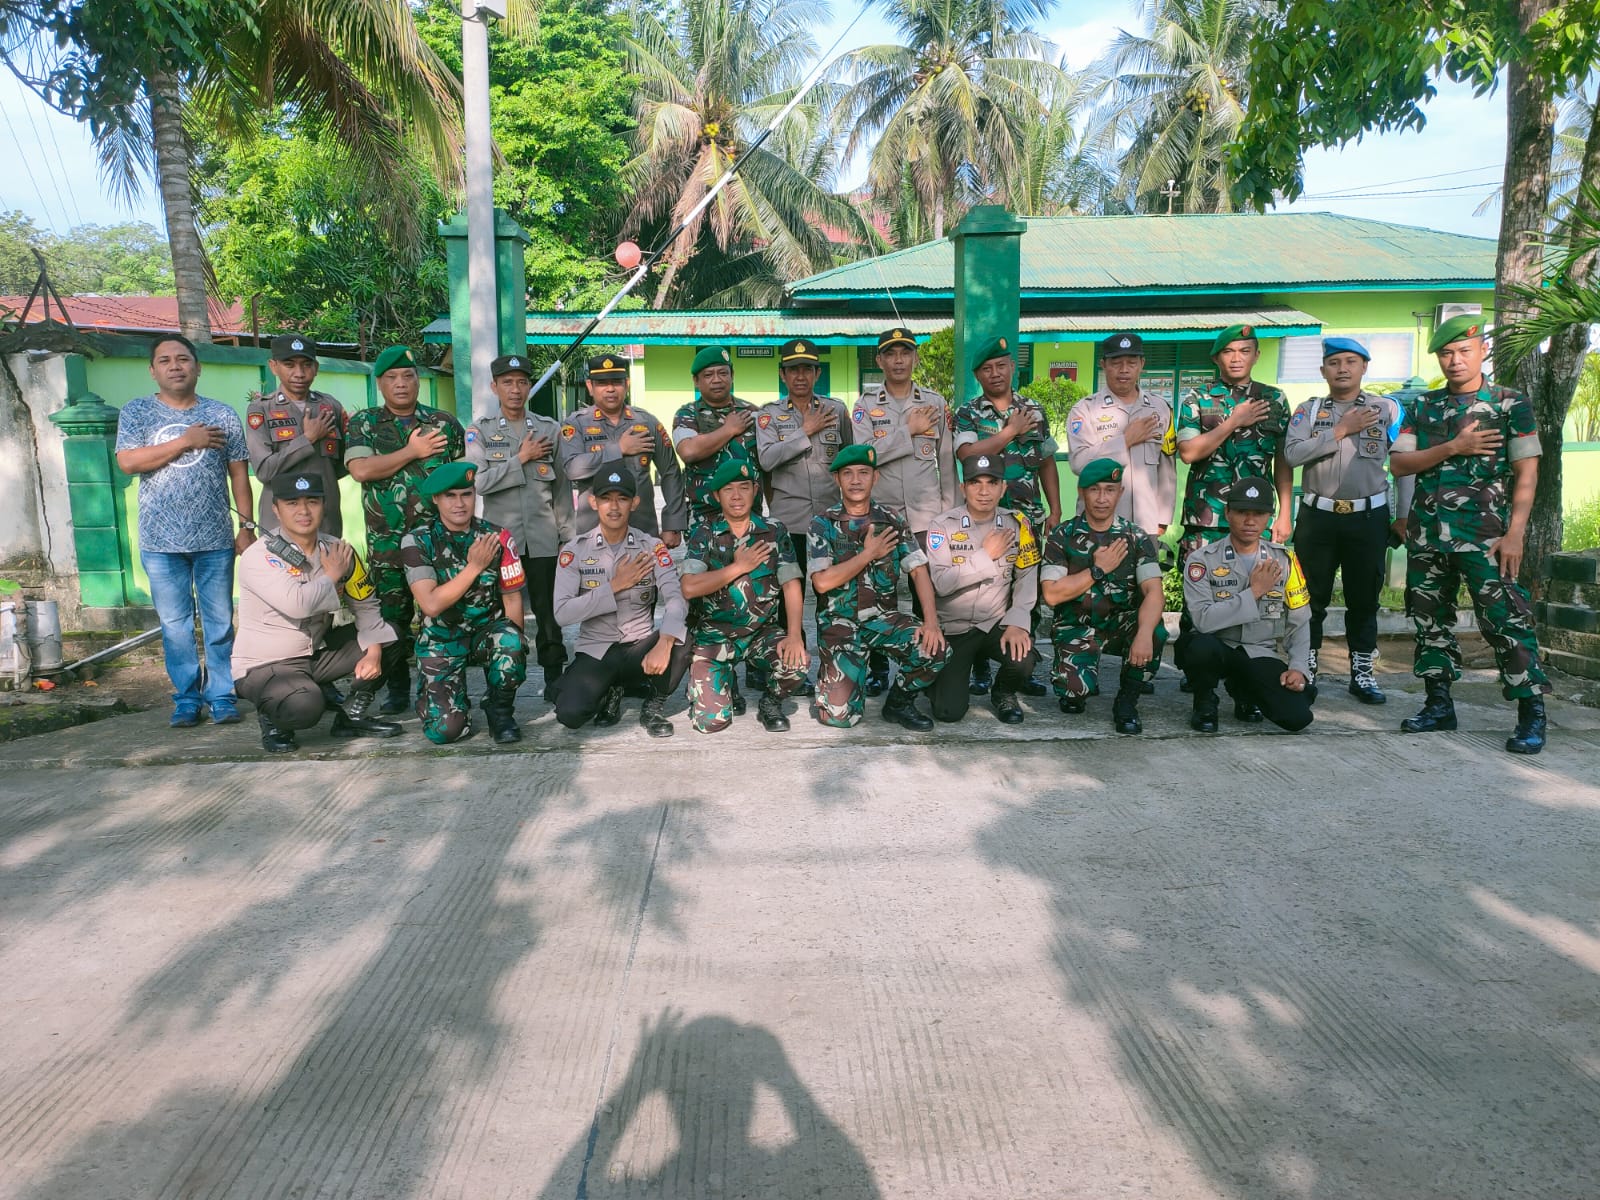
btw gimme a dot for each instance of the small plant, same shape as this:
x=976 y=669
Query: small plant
x=1580 y=528
x=1056 y=397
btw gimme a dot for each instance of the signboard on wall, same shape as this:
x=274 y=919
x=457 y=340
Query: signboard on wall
x=1067 y=370
x=1191 y=378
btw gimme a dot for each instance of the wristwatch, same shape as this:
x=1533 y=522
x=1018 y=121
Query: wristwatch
x=1096 y=574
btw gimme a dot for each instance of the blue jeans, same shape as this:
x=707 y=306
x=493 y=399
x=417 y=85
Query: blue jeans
x=176 y=582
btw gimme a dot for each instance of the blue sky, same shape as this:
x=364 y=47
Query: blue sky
x=54 y=179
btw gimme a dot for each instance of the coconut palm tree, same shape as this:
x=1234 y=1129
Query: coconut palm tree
x=1174 y=99
x=356 y=67
x=712 y=75
x=947 y=109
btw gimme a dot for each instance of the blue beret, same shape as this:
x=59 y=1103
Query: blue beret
x=1344 y=345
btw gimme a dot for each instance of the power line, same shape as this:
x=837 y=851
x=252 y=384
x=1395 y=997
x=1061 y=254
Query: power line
x=50 y=168
x=1439 y=191
x=1361 y=187
x=44 y=208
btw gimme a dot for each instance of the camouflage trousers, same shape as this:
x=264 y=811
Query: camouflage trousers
x=711 y=675
x=1079 y=646
x=843 y=648
x=442 y=661
x=1433 y=581
x=395 y=603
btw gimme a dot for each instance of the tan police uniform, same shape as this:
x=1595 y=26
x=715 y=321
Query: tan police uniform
x=590 y=440
x=916 y=473
x=1095 y=429
x=276 y=443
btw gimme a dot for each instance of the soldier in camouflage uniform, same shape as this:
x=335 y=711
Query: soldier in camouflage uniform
x=1002 y=425
x=1468 y=443
x=1102 y=576
x=855 y=554
x=467 y=578
x=389 y=451
x=1231 y=430
x=715 y=428
x=733 y=574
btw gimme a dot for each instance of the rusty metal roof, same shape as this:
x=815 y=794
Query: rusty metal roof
x=751 y=327
x=1160 y=255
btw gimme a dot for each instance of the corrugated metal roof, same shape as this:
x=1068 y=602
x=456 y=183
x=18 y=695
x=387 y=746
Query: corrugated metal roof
x=749 y=327
x=1242 y=251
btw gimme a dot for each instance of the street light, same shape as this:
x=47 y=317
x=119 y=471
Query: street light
x=482 y=303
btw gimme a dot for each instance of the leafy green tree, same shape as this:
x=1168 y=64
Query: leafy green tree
x=1174 y=99
x=1056 y=396
x=945 y=111
x=1324 y=74
x=936 y=364
x=293 y=221
x=19 y=237
x=132 y=259
x=712 y=75
x=561 y=116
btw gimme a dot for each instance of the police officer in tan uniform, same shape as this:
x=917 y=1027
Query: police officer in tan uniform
x=610 y=432
x=609 y=583
x=1248 y=599
x=296 y=429
x=983 y=560
x=287 y=650
x=1123 y=421
x=523 y=490
x=909 y=429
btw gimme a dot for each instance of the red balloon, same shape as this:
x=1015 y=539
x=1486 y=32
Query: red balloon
x=628 y=256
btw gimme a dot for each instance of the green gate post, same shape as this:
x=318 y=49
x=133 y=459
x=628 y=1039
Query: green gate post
x=988 y=288
x=97 y=494
x=510 y=289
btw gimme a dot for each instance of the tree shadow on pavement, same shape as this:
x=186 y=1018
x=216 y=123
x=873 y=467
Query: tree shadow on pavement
x=1345 y=971
x=711 y=1109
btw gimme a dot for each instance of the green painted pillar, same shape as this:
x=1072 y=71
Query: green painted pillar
x=511 y=290
x=97 y=495
x=988 y=287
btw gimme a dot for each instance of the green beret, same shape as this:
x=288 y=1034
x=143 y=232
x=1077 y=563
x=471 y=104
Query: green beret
x=1456 y=329
x=711 y=356
x=1101 y=470
x=731 y=471
x=392 y=357
x=995 y=348
x=855 y=454
x=448 y=478
x=1233 y=333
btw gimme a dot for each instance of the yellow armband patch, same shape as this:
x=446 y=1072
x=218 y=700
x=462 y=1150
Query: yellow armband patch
x=1027 y=546
x=359 y=585
x=1295 y=592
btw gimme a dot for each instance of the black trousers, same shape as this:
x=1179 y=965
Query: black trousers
x=1353 y=546
x=949 y=697
x=289 y=692
x=584 y=683
x=548 y=647
x=1211 y=661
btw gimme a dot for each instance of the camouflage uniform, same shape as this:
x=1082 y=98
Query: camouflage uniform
x=1460 y=510
x=474 y=629
x=1024 y=457
x=739 y=622
x=697 y=418
x=1105 y=619
x=860 y=615
x=1245 y=452
x=392 y=506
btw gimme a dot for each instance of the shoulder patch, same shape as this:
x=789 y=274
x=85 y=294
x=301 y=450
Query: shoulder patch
x=566 y=559
x=1196 y=572
x=257 y=420
x=568 y=431
x=663 y=556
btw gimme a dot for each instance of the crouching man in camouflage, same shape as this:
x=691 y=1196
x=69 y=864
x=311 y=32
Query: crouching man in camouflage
x=737 y=569
x=466 y=575
x=856 y=552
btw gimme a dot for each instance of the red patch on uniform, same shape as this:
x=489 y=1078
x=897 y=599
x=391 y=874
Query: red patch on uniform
x=565 y=560
x=764 y=420
x=1196 y=572
x=662 y=556
x=257 y=420
x=284 y=435
x=568 y=431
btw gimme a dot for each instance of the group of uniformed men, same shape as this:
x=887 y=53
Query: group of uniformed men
x=804 y=491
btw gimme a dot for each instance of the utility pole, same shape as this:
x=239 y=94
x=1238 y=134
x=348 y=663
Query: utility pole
x=1171 y=193
x=483 y=305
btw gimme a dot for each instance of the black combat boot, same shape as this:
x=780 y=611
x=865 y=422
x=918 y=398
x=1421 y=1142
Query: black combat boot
x=755 y=678
x=982 y=680
x=1008 y=708
x=1528 y=738
x=1032 y=687
x=1125 y=711
x=1438 y=714
x=1074 y=704
x=552 y=681
x=770 y=710
x=499 y=705
x=275 y=740
x=354 y=717
x=902 y=710
x=737 y=704
x=652 y=715
x=877 y=675
x=397 y=694
x=610 y=711
x=1363 y=681
x=806 y=688
x=1247 y=711
x=1204 y=717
